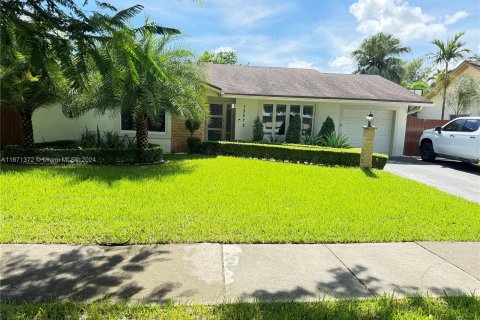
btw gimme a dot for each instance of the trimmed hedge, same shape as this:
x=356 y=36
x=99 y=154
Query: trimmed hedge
x=18 y=155
x=295 y=153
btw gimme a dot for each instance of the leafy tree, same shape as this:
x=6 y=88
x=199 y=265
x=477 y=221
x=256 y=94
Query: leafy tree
x=27 y=83
x=257 y=129
x=70 y=33
x=45 y=40
x=379 y=54
x=192 y=125
x=327 y=128
x=148 y=76
x=416 y=73
x=294 y=129
x=451 y=50
x=465 y=95
x=220 y=57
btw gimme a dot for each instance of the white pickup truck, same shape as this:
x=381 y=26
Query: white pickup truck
x=459 y=140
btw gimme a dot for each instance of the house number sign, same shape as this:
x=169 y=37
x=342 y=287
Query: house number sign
x=243 y=117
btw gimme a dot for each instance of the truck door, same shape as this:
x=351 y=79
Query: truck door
x=445 y=140
x=467 y=139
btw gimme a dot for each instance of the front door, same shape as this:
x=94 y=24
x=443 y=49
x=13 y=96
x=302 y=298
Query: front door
x=221 y=125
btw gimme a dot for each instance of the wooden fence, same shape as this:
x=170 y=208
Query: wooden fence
x=414 y=130
x=10 y=132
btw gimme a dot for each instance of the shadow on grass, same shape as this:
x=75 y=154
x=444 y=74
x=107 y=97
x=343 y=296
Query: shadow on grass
x=369 y=173
x=173 y=166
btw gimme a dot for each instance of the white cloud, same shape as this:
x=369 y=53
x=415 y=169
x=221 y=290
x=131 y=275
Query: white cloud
x=342 y=64
x=301 y=64
x=397 y=17
x=223 y=49
x=451 y=19
x=248 y=13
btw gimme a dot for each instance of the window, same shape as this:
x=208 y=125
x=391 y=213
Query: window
x=280 y=119
x=156 y=124
x=307 y=120
x=471 y=125
x=267 y=119
x=276 y=122
x=454 y=125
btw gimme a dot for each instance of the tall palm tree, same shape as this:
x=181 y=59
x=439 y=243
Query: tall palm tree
x=451 y=50
x=27 y=82
x=379 y=54
x=145 y=77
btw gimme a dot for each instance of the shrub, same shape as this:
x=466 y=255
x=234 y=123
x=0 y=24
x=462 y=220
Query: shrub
x=88 y=139
x=18 y=155
x=270 y=139
x=310 y=140
x=112 y=140
x=257 y=130
x=295 y=153
x=192 y=125
x=194 y=144
x=59 y=144
x=328 y=127
x=334 y=140
x=294 y=129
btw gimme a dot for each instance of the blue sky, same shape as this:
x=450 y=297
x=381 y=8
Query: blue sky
x=312 y=33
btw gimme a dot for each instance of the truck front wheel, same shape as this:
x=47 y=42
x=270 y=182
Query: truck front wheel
x=426 y=152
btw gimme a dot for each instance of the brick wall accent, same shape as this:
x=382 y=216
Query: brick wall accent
x=180 y=135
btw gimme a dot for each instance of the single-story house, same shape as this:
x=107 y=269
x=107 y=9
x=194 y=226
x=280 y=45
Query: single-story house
x=467 y=67
x=239 y=94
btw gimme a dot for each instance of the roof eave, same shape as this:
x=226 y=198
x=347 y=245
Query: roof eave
x=234 y=95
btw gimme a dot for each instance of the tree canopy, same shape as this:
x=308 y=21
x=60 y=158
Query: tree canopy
x=220 y=57
x=379 y=54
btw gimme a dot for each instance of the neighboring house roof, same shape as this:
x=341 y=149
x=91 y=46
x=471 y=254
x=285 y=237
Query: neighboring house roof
x=306 y=83
x=475 y=64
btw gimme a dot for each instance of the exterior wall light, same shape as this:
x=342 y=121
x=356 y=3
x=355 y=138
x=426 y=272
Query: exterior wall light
x=370 y=119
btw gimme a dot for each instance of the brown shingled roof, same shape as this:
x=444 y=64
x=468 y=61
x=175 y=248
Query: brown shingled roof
x=306 y=83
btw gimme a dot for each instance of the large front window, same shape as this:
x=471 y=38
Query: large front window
x=155 y=124
x=277 y=117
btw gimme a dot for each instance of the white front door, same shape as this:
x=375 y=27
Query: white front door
x=352 y=127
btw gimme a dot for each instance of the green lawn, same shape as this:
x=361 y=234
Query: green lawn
x=375 y=308
x=225 y=199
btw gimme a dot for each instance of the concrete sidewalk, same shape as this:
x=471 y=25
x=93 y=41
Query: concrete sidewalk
x=215 y=273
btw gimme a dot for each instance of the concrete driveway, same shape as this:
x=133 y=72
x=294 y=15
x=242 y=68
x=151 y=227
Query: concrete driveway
x=453 y=177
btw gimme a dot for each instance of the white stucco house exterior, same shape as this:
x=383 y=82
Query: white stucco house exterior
x=471 y=68
x=238 y=94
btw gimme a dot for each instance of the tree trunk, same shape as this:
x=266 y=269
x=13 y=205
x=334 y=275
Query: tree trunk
x=27 y=130
x=445 y=85
x=142 y=132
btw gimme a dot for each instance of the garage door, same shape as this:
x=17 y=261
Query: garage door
x=354 y=120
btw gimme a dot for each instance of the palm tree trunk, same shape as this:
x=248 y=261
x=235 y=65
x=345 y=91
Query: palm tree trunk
x=27 y=130
x=445 y=85
x=142 y=132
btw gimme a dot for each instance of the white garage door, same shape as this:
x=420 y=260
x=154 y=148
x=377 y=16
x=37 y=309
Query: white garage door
x=354 y=120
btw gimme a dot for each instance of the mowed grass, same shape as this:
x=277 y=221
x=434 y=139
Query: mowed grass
x=225 y=199
x=375 y=308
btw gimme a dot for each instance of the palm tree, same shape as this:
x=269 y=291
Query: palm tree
x=144 y=76
x=451 y=50
x=378 y=55
x=27 y=82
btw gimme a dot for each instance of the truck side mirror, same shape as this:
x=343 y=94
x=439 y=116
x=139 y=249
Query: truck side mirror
x=438 y=129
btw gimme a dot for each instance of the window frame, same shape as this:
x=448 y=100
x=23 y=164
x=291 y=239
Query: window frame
x=287 y=116
x=460 y=127
x=466 y=120
x=149 y=132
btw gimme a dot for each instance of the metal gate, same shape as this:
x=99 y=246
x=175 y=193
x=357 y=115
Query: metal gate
x=415 y=127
